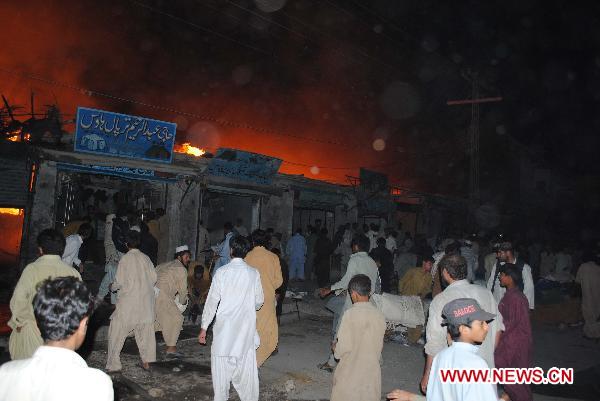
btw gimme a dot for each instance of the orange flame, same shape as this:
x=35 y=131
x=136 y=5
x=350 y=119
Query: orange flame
x=189 y=149
x=16 y=136
x=11 y=211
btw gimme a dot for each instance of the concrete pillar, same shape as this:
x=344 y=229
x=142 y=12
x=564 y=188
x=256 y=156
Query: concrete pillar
x=277 y=212
x=42 y=214
x=182 y=211
x=256 y=208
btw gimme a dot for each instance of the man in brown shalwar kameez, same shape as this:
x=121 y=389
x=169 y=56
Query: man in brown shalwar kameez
x=171 y=282
x=267 y=264
x=357 y=376
x=134 y=311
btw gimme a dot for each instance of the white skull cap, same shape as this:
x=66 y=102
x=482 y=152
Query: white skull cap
x=181 y=248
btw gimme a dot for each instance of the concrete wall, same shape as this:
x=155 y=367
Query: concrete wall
x=183 y=216
x=346 y=213
x=42 y=214
x=277 y=212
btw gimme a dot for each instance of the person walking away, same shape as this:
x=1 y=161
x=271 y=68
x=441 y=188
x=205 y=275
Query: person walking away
x=73 y=243
x=120 y=229
x=222 y=252
x=310 y=270
x=281 y=291
x=323 y=250
x=588 y=276
x=359 y=344
x=267 y=264
x=148 y=244
x=345 y=248
x=134 y=311
x=514 y=349
x=360 y=263
x=172 y=285
x=296 y=252
x=234 y=296
x=62 y=307
x=112 y=258
x=372 y=234
x=454 y=272
x=386 y=259
x=25 y=337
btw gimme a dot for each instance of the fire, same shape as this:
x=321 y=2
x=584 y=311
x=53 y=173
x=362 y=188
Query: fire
x=189 y=149
x=11 y=211
x=16 y=137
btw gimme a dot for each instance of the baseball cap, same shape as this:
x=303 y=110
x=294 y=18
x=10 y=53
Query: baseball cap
x=464 y=311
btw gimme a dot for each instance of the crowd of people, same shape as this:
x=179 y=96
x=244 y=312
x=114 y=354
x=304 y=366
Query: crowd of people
x=478 y=305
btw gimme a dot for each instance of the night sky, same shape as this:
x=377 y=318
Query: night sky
x=326 y=85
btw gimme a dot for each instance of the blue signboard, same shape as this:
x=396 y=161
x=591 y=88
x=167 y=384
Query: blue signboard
x=120 y=171
x=244 y=166
x=113 y=134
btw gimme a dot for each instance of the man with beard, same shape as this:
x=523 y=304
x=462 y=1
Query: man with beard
x=505 y=254
x=171 y=282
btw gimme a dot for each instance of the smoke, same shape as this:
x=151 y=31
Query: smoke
x=312 y=103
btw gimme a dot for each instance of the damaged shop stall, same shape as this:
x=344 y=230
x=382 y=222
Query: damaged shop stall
x=373 y=196
x=16 y=180
x=118 y=161
x=240 y=187
x=408 y=211
x=317 y=201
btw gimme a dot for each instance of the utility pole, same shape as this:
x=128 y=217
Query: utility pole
x=475 y=101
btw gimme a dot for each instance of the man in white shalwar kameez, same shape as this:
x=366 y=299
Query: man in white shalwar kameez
x=234 y=296
x=134 y=311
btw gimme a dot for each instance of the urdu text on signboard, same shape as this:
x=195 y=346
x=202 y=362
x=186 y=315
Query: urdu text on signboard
x=121 y=135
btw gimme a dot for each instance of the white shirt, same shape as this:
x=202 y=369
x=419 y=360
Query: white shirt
x=528 y=288
x=71 y=253
x=436 y=333
x=53 y=374
x=235 y=295
x=359 y=263
x=459 y=356
x=372 y=235
x=390 y=244
x=472 y=261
